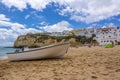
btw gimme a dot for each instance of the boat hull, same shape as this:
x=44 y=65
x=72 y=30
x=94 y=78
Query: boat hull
x=54 y=51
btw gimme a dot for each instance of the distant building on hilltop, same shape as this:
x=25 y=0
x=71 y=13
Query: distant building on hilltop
x=64 y=33
x=88 y=32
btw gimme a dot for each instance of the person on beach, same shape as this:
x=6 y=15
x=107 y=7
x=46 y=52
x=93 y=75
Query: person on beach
x=17 y=50
x=22 y=49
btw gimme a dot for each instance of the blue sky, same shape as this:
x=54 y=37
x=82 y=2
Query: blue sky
x=18 y=17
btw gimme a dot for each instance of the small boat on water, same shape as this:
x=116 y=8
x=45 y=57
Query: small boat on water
x=50 y=51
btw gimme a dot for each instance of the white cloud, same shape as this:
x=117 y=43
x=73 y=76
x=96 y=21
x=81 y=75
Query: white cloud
x=36 y=15
x=43 y=23
x=89 y=27
x=38 y=4
x=9 y=31
x=7 y=37
x=59 y=27
x=104 y=26
x=27 y=16
x=3 y=18
x=31 y=30
x=87 y=11
x=109 y=25
x=20 y=4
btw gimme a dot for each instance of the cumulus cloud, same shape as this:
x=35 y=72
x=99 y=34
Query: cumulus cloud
x=9 y=31
x=4 y=18
x=59 y=27
x=79 y=10
x=22 y=4
x=90 y=11
x=38 y=4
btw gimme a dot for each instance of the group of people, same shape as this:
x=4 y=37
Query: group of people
x=23 y=49
x=18 y=50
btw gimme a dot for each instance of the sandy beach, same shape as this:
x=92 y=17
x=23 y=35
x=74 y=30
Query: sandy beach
x=83 y=63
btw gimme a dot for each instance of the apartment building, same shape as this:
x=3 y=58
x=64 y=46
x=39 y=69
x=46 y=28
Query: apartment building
x=108 y=35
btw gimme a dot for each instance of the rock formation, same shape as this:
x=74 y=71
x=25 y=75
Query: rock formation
x=33 y=40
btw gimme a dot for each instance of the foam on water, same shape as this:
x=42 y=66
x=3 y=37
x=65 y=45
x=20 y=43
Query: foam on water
x=3 y=57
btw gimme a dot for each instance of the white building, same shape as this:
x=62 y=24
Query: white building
x=108 y=35
x=64 y=33
x=88 y=32
x=118 y=34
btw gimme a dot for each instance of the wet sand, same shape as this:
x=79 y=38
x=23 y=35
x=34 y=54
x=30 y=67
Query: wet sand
x=83 y=63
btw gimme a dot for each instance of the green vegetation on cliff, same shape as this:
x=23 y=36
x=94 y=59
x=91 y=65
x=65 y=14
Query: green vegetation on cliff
x=39 y=39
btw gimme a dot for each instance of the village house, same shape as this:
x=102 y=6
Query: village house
x=108 y=35
x=88 y=32
x=63 y=33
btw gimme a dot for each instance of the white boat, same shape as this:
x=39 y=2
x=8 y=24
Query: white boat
x=50 y=51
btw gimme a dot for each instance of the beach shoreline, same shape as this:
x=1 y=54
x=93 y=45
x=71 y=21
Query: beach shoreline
x=81 y=63
x=4 y=57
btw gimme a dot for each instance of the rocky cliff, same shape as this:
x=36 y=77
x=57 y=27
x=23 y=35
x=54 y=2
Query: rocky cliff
x=37 y=40
x=42 y=39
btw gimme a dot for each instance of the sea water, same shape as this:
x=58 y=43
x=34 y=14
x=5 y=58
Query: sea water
x=4 y=51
